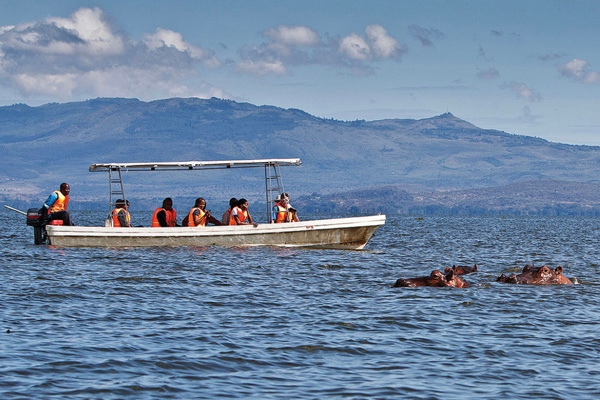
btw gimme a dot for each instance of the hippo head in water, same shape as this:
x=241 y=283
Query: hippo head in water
x=436 y=278
x=461 y=269
x=543 y=275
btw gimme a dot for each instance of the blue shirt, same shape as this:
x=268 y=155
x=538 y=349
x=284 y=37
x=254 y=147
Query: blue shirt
x=51 y=199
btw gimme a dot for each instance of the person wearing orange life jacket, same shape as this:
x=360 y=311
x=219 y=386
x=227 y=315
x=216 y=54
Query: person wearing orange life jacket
x=226 y=218
x=240 y=215
x=120 y=215
x=283 y=211
x=55 y=207
x=199 y=216
x=165 y=216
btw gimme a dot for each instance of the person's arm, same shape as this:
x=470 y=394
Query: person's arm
x=122 y=216
x=162 y=218
x=50 y=200
x=234 y=214
x=213 y=220
x=196 y=218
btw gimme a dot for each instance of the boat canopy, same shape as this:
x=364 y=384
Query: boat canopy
x=194 y=165
x=273 y=181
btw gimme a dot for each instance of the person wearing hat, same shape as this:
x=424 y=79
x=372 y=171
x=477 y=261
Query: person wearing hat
x=120 y=215
x=283 y=211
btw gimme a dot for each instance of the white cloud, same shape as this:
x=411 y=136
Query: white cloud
x=523 y=91
x=168 y=38
x=85 y=55
x=89 y=25
x=377 y=45
x=292 y=46
x=355 y=47
x=293 y=35
x=54 y=85
x=261 y=67
x=577 y=70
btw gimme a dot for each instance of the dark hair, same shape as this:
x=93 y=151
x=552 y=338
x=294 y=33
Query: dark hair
x=198 y=200
x=233 y=202
x=241 y=201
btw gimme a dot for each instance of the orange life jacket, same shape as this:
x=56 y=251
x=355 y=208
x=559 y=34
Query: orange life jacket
x=115 y=217
x=61 y=203
x=283 y=215
x=192 y=222
x=171 y=217
x=241 y=214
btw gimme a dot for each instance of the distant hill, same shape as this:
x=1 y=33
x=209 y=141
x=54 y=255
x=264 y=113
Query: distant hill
x=438 y=164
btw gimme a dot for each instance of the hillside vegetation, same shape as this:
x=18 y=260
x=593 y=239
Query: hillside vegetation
x=440 y=164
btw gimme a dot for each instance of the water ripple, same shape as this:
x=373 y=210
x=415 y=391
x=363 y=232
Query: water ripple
x=287 y=323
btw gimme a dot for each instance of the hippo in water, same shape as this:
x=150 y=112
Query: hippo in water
x=436 y=278
x=543 y=275
x=461 y=269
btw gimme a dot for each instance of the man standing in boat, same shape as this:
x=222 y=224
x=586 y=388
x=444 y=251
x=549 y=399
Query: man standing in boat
x=55 y=207
x=165 y=216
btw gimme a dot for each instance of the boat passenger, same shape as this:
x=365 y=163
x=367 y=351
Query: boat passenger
x=165 y=216
x=55 y=206
x=120 y=215
x=240 y=215
x=227 y=214
x=283 y=211
x=199 y=216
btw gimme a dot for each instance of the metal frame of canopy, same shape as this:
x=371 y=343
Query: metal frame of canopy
x=273 y=181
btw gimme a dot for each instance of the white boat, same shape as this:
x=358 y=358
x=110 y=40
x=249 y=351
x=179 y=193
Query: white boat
x=337 y=233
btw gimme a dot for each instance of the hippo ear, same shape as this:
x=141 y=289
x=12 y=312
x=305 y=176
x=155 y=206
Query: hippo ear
x=559 y=270
x=449 y=275
x=435 y=274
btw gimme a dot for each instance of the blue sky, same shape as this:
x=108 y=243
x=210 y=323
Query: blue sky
x=525 y=67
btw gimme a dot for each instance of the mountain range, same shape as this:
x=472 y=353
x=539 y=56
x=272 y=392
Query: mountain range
x=441 y=164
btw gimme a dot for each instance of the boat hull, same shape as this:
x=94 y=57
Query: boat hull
x=339 y=233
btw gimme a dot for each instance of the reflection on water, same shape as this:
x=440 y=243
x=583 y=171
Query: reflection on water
x=279 y=323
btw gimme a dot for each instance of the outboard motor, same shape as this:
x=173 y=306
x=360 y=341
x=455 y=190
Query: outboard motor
x=39 y=227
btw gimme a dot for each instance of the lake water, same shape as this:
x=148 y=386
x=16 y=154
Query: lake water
x=270 y=323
